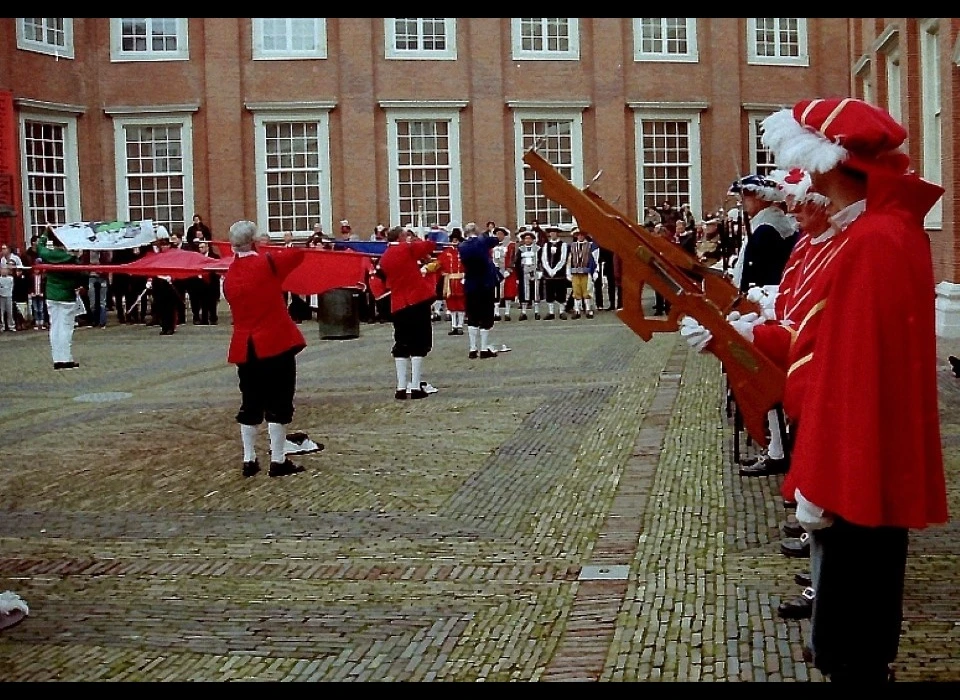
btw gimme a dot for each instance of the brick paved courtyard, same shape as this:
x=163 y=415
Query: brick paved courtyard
x=567 y=511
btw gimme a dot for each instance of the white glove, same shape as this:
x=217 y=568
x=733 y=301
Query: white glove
x=744 y=324
x=810 y=516
x=539 y=275
x=595 y=275
x=149 y=284
x=506 y=273
x=766 y=297
x=697 y=336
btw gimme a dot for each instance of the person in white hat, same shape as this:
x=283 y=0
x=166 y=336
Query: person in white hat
x=867 y=461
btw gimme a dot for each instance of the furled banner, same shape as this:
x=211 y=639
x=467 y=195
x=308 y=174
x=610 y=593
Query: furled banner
x=109 y=235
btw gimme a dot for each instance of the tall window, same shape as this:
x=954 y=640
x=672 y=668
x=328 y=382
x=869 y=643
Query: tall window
x=930 y=105
x=892 y=69
x=290 y=37
x=154 y=170
x=51 y=182
x=50 y=35
x=293 y=171
x=862 y=71
x=665 y=39
x=777 y=41
x=421 y=38
x=557 y=138
x=760 y=156
x=668 y=150
x=149 y=39
x=546 y=38
x=424 y=166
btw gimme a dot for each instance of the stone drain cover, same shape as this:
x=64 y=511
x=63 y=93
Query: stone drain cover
x=103 y=397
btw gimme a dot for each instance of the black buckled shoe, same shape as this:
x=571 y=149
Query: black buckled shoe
x=418 y=393
x=800 y=608
x=285 y=468
x=803 y=579
x=796 y=546
x=400 y=395
x=485 y=354
x=473 y=355
x=251 y=468
x=766 y=466
x=792 y=529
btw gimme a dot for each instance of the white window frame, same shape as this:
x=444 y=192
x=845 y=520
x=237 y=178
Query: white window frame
x=573 y=40
x=931 y=111
x=862 y=73
x=420 y=111
x=120 y=123
x=695 y=174
x=572 y=113
x=118 y=55
x=319 y=35
x=65 y=51
x=894 y=72
x=71 y=167
x=757 y=149
x=692 y=54
x=804 y=53
x=318 y=115
x=447 y=54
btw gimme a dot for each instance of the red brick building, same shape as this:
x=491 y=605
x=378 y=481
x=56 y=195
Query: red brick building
x=295 y=121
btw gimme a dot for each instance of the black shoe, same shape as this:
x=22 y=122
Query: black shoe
x=796 y=546
x=401 y=394
x=459 y=331
x=66 y=365
x=576 y=315
x=507 y=318
x=485 y=354
x=549 y=317
x=803 y=579
x=284 y=468
x=563 y=316
x=789 y=505
x=453 y=331
x=474 y=355
x=792 y=529
x=807 y=654
x=800 y=608
x=955 y=364
x=765 y=466
x=536 y=317
x=523 y=317
x=251 y=468
x=418 y=394
x=589 y=314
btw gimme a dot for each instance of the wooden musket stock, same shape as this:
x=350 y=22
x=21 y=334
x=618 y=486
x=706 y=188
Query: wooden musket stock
x=756 y=382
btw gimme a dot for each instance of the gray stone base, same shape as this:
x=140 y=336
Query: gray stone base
x=948 y=310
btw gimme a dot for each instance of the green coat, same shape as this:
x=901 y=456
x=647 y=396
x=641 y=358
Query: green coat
x=61 y=286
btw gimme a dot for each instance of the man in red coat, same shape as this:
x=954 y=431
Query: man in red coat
x=264 y=345
x=412 y=294
x=861 y=392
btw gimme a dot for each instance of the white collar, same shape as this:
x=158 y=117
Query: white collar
x=846 y=216
x=245 y=254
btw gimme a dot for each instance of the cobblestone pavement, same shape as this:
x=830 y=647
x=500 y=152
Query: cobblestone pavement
x=567 y=511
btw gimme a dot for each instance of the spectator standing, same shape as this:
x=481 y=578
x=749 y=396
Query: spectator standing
x=7 y=320
x=9 y=257
x=411 y=296
x=98 y=289
x=62 y=289
x=503 y=257
x=554 y=262
x=209 y=288
x=264 y=345
x=197 y=231
x=21 y=297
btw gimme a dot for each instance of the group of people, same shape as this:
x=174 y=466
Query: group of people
x=848 y=314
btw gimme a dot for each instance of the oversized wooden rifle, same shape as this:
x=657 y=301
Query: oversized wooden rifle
x=755 y=381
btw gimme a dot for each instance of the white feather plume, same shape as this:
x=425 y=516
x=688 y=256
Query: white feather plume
x=794 y=145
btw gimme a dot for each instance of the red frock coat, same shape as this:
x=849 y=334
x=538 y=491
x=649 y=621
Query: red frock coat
x=511 y=285
x=253 y=290
x=867 y=444
x=452 y=270
x=401 y=264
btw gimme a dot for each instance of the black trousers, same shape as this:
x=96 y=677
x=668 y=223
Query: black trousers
x=858 y=609
x=267 y=387
x=479 y=307
x=413 y=330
